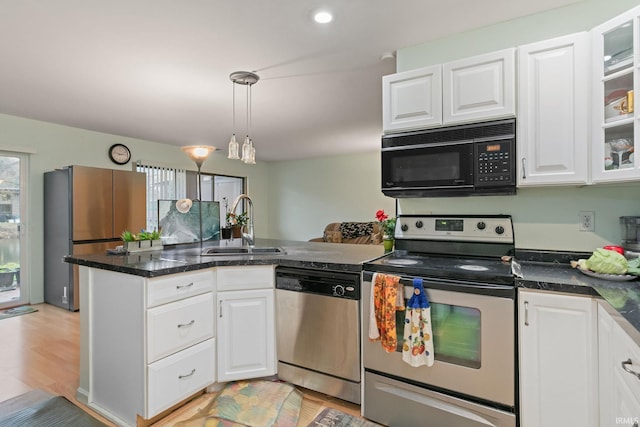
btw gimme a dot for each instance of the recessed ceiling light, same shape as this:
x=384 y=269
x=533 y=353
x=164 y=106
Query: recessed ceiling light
x=322 y=17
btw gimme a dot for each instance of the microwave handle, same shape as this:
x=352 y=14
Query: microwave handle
x=524 y=168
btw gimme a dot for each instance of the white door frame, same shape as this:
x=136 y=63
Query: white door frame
x=25 y=276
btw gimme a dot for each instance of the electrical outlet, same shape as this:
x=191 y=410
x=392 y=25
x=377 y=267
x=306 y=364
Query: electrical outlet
x=587 y=220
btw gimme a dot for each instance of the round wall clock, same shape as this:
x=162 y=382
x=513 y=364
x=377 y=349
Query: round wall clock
x=119 y=154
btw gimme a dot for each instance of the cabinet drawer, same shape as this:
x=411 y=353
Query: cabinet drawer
x=246 y=277
x=624 y=349
x=166 y=289
x=172 y=327
x=176 y=377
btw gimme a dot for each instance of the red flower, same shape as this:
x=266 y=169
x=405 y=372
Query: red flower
x=381 y=216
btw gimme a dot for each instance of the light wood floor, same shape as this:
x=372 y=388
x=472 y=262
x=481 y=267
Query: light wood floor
x=41 y=351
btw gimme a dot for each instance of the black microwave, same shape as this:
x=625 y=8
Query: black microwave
x=463 y=160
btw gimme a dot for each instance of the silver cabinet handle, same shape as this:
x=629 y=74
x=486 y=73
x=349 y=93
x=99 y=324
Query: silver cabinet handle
x=220 y=310
x=184 y=325
x=626 y=368
x=524 y=170
x=184 y=286
x=193 y=371
x=526 y=313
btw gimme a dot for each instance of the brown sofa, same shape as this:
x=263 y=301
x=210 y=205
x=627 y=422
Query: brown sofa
x=364 y=233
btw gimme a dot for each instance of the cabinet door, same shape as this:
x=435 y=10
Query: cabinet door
x=246 y=334
x=558 y=360
x=619 y=389
x=614 y=118
x=478 y=88
x=553 y=111
x=412 y=99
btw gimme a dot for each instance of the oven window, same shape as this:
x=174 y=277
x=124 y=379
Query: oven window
x=456 y=334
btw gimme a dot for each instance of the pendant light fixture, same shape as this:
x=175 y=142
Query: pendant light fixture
x=248 y=79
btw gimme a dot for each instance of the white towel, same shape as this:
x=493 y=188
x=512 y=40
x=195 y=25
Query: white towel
x=417 y=349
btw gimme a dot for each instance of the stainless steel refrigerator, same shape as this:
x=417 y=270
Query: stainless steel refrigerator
x=85 y=211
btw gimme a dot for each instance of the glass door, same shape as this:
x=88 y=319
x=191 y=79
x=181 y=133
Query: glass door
x=13 y=290
x=614 y=119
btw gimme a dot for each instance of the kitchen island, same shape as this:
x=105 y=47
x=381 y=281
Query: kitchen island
x=159 y=326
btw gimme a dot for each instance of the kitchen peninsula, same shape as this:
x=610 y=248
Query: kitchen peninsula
x=136 y=364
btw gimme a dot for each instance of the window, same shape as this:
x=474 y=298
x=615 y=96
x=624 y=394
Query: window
x=165 y=183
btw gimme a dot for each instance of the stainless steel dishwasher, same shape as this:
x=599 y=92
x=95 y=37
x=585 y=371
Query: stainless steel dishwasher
x=318 y=330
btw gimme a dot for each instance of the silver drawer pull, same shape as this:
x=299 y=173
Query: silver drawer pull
x=626 y=368
x=180 y=377
x=184 y=325
x=184 y=286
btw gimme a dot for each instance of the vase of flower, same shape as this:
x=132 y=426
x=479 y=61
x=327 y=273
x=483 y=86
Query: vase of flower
x=388 y=226
x=387 y=241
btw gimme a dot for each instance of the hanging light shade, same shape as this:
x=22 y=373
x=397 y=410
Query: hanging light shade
x=198 y=153
x=248 y=79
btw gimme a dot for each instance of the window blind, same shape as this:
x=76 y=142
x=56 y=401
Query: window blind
x=163 y=183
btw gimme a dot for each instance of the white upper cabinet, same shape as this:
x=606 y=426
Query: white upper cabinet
x=479 y=88
x=553 y=111
x=468 y=90
x=615 y=122
x=412 y=99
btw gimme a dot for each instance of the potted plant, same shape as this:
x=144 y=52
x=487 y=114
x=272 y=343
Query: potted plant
x=142 y=241
x=388 y=226
x=225 y=232
x=8 y=273
x=236 y=222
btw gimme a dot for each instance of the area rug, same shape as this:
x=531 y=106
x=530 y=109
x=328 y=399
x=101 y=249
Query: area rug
x=53 y=412
x=330 y=417
x=258 y=403
x=16 y=311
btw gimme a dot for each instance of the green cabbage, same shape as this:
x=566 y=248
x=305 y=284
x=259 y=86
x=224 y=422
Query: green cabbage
x=607 y=262
x=634 y=267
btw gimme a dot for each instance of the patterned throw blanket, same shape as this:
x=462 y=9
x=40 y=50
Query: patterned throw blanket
x=351 y=230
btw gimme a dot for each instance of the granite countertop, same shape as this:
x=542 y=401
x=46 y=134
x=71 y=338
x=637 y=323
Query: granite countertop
x=182 y=258
x=622 y=296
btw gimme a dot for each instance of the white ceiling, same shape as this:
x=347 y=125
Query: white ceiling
x=159 y=69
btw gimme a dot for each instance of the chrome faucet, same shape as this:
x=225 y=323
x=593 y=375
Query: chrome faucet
x=247 y=229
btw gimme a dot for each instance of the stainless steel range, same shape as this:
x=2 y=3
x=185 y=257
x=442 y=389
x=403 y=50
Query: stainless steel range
x=464 y=263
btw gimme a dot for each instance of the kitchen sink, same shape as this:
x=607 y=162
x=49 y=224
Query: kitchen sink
x=244 y=250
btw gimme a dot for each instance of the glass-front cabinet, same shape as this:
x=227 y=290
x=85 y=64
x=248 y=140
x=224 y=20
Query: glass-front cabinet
x=615 y=123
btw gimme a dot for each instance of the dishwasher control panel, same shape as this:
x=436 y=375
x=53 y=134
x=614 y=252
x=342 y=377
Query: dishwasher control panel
x=338 y=285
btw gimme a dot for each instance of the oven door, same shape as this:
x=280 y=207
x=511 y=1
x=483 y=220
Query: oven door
x=427 y=169
x=474 y=344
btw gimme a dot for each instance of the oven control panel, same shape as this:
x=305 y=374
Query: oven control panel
x=498 y=228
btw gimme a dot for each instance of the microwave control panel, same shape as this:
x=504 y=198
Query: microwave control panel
x=495 y=163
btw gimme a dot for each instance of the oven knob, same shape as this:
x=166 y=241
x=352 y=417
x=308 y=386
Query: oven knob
x=338 y=290
x=404 y=227
x=481 y=225
x=499 y=229
x=419 y=224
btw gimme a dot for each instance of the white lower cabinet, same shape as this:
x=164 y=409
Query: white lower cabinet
x=619 y=360
x=245 y=322
x=173 y=378
x=150 y=342
x=558 y=360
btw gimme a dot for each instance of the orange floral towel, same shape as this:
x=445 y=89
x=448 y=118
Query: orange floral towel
x=386 y=297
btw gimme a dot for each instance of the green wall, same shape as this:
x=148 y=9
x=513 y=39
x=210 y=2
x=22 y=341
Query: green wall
x=54 y=146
